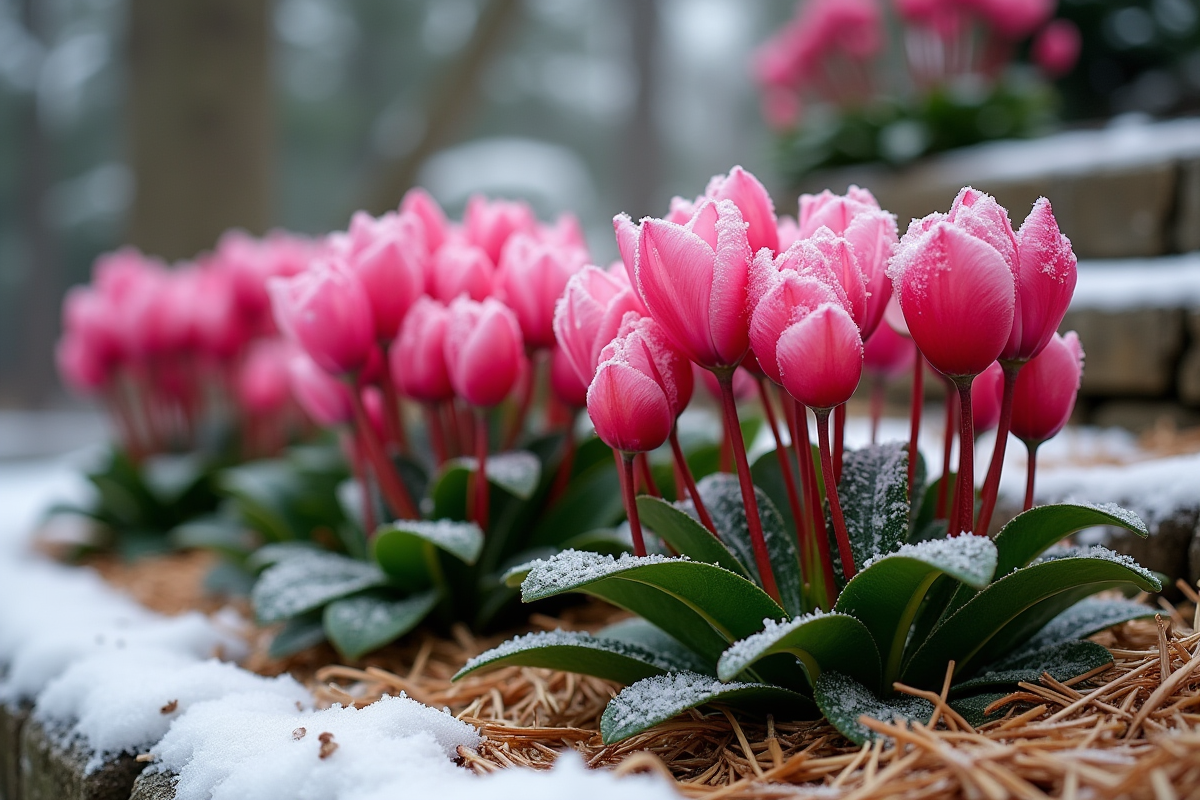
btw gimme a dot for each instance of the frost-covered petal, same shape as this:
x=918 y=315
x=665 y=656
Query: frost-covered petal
x=820 y=358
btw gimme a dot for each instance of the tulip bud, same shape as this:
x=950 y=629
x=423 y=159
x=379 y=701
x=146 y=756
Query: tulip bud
x=460 y=269
x=417 y=201
x=987 y=390
x=693 y=279
x=820 y=357
x=392 y=271
x=1046 y=275
x=629 y=407
x=264 y=380
x=326 y=311
x=752 y=201
x=488 y=224
x=531 y=278
x=565 y=382
x=783 y=297
x=588 y=315
x=418 y=358
x=647 y=348
x=79 y=365
x=1046 y=387
x=325 y=399
x=1056 y=48
x=484 y=350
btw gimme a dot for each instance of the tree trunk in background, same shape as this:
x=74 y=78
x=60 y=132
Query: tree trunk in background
x=642 y=154
x=200 y=121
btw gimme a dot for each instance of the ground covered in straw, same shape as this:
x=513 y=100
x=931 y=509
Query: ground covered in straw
x=1131 y=730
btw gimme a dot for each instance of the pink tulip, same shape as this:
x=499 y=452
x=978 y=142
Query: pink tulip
x=693 y=280
x=588 y=315
x=887 y=354
x=264 y=379
x=780 y=298
x=532 y=276
x=789 y=232
x=327 y=312
x=986 y=392
x=1046 y=389
x=460 y=269
x=565 y=232
x=781 y=109
x=1056 y=48
x=1046 y=276
x=484 y=351
x=565 y=382
x=392 y=271
x=418 y=358
x=647 y=348
x=94 y=320
x=1015 y=19
x=840 y=261
x=433 y=220
x=80 y=366
x=752 y=201
x=325 y=399
x=629 y=408
x=488 y=223
x=628 y=233
x=820 y=357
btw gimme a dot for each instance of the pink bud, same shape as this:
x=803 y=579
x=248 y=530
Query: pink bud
x=842 y=263
x=647 y=348
x=981 y=216
x=531 y=278
x=1015 y=19
x=1046 y=275
x=872 y=237
x=461 y=269
x=488 y=224
x=781 y=298
x=326 y=311
x=325 y=399
x=821 y=357
x=1056 y=49
x=484 y=351
x=264 y=379
x=1044 y=396
x=627 y=401
x=588 y=315
x=888 y=354
x=392 y=272
x=372 y=400
x=987 y=391
x=418 y=358
x=81 y=367
x=93 y=319
x=565 y=382
x=834 y=211
x=693 y=279
x=957 y=294
x=752 y=201
x=433 y=220
x=627 y=232
x=789 y=232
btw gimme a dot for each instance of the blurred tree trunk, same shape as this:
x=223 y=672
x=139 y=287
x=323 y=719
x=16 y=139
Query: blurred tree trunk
x=200 y=121
x=641 y=156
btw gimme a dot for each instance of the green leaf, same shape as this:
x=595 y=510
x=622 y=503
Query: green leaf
x=637 y=631
x=308 y=581
x=722 y=496
x=275 y=552
x=216 y=533
x=448 y=491
x=172 y=476
x=1029 y=534
x=583 y=653
x=972 y=708
x=516 y=472
x=995 y=620
x=1083 y=619
x=683 y=532
x=365 y=622
x=653 y=700
x=1063 y=661
x=592 y=500
x=702 y=605
x=300 y=633
x=874 y=496
x=405 y=549
x=844 y=700
x=887 y=594
x=767 y=475
x=820 y=641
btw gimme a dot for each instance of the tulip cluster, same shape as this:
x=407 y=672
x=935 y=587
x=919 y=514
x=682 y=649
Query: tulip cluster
x=174 y=351
x=454 y=318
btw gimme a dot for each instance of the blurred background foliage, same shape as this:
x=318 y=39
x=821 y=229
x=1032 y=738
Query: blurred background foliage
x=163 y=123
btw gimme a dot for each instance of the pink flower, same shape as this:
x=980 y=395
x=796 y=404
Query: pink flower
x=1015 y=19
x=1056 y=48
x=647 y=348
x=588 y=315
x=986 y=392
x=565 y=381
x=460 y=269
x=789 y=232
x=80 y=365
x=780 y=299
x=93 y=321
x=392 y=271
x=1046 y=275
x=956 y=290
x=326 y=311
x=628 y=232
x=325 y=399
x=628 y=405
x=565 y=232
x=531 y=278
x=484 y=350
x=692 y=278
x=834 y=211
x=752 y=201
x=418 y=359
x=821 y=357
x=840 y=261
x=1046 y=388
x=981 y=216
x=264 y=379
x=488 y=223
x=888 y=354
x=417 y=201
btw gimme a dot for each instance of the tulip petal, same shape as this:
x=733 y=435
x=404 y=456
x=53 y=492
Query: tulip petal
x=821 y=357
x=628 y=409
x=675 y=278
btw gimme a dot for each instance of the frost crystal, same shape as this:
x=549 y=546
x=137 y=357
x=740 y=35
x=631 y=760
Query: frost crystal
x=969 y=556
x=572 y=568
x=561 y=638
x=743 y=652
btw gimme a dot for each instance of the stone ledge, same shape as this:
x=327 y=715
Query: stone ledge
x=53 y=770
x=12 y=719
x=154 y=786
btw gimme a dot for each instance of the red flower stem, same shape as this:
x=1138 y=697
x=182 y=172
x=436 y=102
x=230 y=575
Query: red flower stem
x=835 y=507
x=354 y=448
x=1030 y=473
x=753 y=521
x=877 y=387
x=940 y=509
x=991 y=484
x=685 y=473
x=563 y=478
x=482 y=492
x=393 y=425
x=394 y=490
x=525 y=398
x=643 y=465
x=725 y=455
x=839 y=437
x=437 y=436
x=914 y=424
x=965 y=517
x=449 y=416
x=625 y=471
x=789 y=481
x=812 y=497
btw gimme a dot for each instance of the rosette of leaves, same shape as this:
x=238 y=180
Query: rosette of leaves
x=136 y=504
x=1002 y=610
x=362 y=590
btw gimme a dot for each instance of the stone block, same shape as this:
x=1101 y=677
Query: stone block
x=12 y=718
x=1189 y=367
x=1166 y=549
x=1129 y=353
x=1187 y=209
x=1115 y=214
x=154 y=786
x=52 y=769
x=1141 y=416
